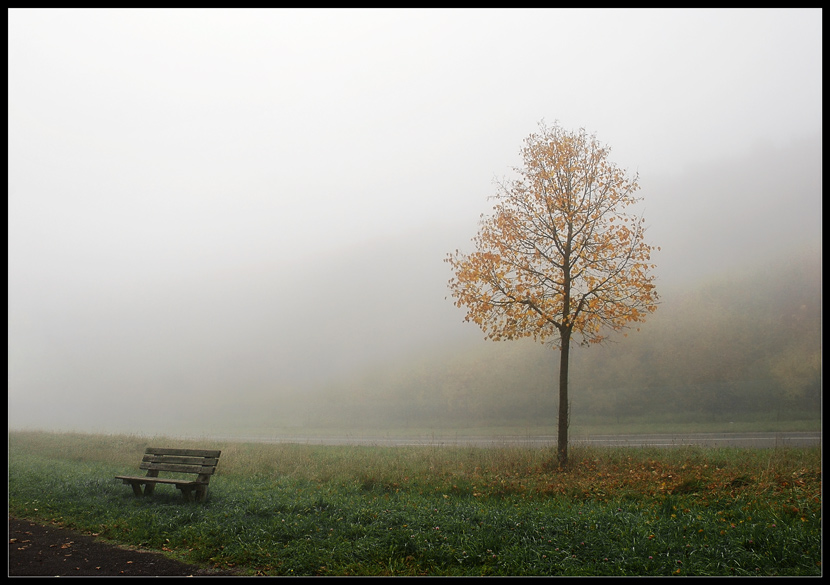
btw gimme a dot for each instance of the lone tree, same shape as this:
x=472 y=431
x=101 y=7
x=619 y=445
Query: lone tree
x=560 y=255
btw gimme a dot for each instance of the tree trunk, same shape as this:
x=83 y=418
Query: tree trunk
x=562 y=438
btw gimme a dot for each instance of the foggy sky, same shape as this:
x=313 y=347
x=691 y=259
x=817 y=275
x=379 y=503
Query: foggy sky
x=211 y=203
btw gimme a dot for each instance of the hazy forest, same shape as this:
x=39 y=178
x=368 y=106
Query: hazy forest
x=735 y=346
x=707 y=354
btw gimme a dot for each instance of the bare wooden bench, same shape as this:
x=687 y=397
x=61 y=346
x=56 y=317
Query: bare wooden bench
x=201 y=462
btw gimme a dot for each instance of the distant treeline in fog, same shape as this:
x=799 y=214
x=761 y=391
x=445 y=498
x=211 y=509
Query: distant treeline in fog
x=738 y=344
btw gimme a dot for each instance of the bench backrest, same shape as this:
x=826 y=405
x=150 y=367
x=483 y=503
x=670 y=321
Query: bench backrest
x=199 y=461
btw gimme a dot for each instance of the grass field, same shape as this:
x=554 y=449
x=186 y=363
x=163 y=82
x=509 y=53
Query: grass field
x=283 y=509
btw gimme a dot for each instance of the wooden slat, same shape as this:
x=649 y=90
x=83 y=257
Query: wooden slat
x=184 y=452
x=181 y=460
x=160 y=480
x=202 y=470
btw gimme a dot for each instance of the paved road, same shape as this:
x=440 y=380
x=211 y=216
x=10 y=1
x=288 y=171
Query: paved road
x=755 y=440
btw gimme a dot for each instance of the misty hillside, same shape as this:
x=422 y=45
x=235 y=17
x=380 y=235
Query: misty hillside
x=732 y=345
x=737 y=213
x=738 y=327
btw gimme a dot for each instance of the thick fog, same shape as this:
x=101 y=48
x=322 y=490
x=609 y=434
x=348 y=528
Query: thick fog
x=213 y=213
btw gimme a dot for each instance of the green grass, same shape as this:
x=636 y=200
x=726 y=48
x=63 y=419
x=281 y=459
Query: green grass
x=281 y=509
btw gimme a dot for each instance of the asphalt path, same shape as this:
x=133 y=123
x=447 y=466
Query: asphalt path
x=752 y=440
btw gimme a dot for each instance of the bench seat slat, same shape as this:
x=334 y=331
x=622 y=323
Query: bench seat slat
x=201 y=470
x=145 y=479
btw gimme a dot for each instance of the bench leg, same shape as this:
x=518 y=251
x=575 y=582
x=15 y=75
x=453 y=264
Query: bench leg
x=136 y=489
x=149 y=488
x=187 y=492
x=201 y=493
